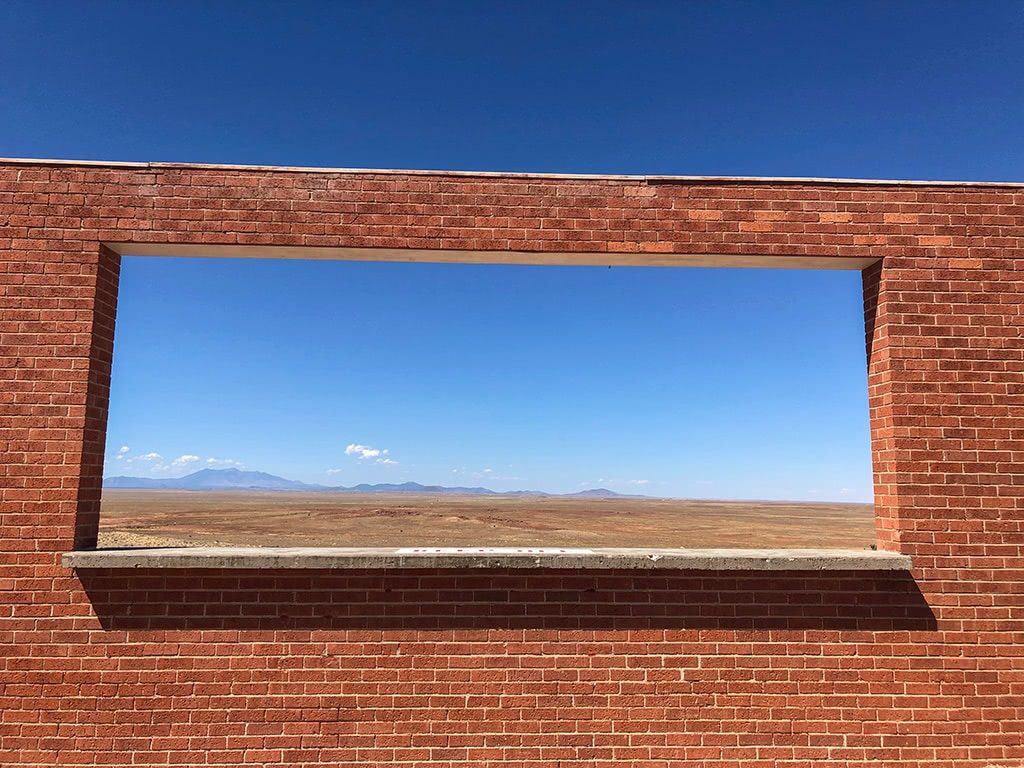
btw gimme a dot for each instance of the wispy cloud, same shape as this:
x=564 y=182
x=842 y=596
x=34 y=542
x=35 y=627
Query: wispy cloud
x=611 y=481
x=335 y=471
x=484 y=474
x=215 y=462
x=152 y=458
x=153 y=463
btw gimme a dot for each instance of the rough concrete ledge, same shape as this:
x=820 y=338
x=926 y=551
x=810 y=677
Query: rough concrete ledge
x=645 y=178
x=491 y=557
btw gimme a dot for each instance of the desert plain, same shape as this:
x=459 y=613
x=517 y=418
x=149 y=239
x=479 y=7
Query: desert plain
x=148 y=518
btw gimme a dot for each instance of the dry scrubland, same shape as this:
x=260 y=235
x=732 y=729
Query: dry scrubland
x=267 y=518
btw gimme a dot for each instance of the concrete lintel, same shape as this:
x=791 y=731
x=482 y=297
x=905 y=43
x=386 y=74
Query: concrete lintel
x=497 y=558
x=448 y=255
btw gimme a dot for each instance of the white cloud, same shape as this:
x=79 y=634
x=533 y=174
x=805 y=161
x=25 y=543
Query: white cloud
x=364 y=451
x=610 y=481
x=155 y=465
x=335 y=471
x=153 y=459
x=214 y=462
x=844 y=491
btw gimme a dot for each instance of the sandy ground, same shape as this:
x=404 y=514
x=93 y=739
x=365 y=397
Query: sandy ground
x=287 y=519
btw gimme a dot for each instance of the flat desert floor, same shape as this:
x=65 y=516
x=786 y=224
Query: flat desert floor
x=131 y=518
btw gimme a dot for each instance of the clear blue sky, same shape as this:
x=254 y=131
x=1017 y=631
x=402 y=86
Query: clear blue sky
x=702 y=383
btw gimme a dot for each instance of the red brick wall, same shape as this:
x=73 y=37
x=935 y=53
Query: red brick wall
x=540 y=668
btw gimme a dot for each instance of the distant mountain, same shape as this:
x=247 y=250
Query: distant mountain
x=602 y=493
x=238 y=479
x=214 y=480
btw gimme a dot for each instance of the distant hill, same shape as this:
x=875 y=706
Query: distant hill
x=414 y=488
x=238 y=479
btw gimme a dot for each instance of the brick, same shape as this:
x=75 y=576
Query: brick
x=448 y=668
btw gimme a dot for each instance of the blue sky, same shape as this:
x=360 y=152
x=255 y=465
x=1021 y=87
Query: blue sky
x=702 y=383
x=666 y=381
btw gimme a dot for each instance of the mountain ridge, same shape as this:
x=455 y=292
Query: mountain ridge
x=239 y=479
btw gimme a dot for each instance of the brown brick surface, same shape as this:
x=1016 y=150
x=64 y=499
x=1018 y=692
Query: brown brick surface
x=541 y=668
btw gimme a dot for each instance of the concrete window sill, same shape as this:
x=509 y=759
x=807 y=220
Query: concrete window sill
x=490 y=557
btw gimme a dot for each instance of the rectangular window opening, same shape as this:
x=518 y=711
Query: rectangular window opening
x=438 y=408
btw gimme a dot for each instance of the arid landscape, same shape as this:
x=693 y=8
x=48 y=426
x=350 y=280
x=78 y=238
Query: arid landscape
x=141 y=518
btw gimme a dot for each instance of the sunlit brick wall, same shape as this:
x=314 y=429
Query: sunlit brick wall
x=542 y=668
